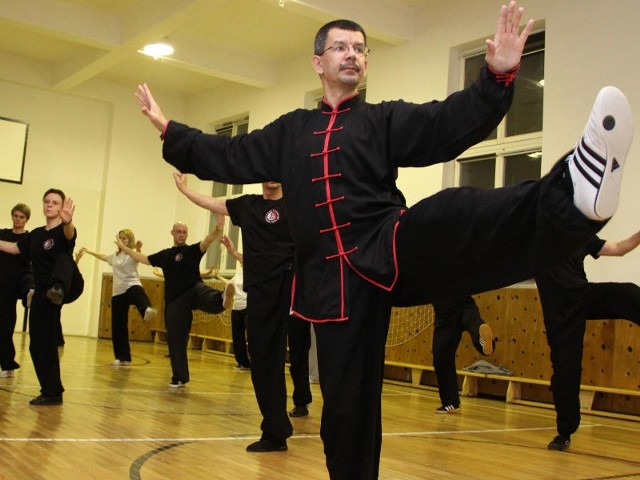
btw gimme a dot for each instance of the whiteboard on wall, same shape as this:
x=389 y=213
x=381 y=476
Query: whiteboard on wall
x=13 y=148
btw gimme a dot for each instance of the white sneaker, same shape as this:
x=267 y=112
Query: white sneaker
x=229 y=293
x=178 y=384
x=120 y=363
x=597 y=162
x=6 y=374
x=150 y=313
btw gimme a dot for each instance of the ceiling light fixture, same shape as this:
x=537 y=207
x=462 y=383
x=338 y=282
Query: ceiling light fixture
x=157 y=50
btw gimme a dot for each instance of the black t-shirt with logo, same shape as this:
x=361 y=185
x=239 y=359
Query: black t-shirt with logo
x=181 y=268
x=41 y=247
x=267 y=246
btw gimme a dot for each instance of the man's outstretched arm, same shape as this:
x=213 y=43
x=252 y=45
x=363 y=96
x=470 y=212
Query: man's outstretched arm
x=621 y=248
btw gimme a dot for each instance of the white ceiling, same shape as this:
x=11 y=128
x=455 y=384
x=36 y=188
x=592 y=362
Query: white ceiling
x=215 y=41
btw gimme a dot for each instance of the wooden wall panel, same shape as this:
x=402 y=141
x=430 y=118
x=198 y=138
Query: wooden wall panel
x=138 y=328
x=611 y=354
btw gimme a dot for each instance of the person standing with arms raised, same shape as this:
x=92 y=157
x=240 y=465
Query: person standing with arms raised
x=360 y=250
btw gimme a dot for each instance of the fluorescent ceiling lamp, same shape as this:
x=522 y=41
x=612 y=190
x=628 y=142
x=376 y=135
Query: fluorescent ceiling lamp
x=157 y=50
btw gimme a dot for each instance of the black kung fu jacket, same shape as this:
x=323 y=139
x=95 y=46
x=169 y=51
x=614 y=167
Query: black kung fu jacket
x=337 y=167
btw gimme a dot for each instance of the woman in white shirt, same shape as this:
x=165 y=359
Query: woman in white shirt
x=127 y=290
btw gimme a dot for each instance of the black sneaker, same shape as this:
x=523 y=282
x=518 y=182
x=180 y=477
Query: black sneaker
x=448 y=408
x=299 y=411
x=56 y=294
x=266 y=445
x=44 y=400
x=560 y=442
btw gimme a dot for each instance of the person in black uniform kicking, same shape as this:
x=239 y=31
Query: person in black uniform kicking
x=452 y=317
x=360 y=250
x=50 y=250
x=568 y=300
x=268 y=271
x=14 y=286
x=184 y=291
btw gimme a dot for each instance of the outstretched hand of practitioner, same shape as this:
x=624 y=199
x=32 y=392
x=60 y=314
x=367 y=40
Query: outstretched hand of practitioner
x=181 y=181
x=66 y=212
x=119 y=244
x=149 y=107
x=505 y=50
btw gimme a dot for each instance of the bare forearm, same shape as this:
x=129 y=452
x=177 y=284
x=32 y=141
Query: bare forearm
x=618 y=249
x=99 y=256
x=137 y=256
x=238 y=256
x=9 y=247
x=213 y=204
x=69 y=230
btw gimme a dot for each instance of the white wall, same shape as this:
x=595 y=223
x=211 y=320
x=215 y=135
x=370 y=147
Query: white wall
x=97 y=147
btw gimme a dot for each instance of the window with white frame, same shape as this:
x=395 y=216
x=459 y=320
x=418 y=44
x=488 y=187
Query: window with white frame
x=218 y=257
x=512 y=153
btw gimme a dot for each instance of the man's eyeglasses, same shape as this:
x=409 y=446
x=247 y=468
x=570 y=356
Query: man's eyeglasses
x=360 y=49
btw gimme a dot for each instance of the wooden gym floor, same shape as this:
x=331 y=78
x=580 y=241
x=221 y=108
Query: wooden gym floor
x=125 y=423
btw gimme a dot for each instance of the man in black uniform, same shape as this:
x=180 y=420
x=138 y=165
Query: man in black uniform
x=184 y=291
x=359 y=250
x=568 y=300
x=14 y=286
x=268 y=253
x=45 y=248
x=452 y=317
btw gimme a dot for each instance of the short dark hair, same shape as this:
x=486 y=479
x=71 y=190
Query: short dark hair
x=56 y=191
x=321 y=36
x=22 y=208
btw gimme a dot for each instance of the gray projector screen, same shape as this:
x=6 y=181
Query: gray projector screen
x=13 y=148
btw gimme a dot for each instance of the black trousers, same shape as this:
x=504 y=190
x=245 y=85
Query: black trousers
x=267 y=328
x=178 y=318
x=134 y=295
x=452 y=318
x=9 y=294
x=239 y=337
x=299 y=336
x=44 y=322
x=565 y=327
x=454 y=243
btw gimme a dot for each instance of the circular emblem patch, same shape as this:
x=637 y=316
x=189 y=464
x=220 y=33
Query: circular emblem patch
x=48 y=244
x=178 y=257
x=272 y=216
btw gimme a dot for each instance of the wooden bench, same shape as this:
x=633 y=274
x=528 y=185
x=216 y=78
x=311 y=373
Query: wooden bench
x=159 y=335
x=514 y=388
x=210 y=343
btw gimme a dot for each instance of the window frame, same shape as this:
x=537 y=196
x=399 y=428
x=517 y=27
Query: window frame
x=219 y=257
x=502 y=146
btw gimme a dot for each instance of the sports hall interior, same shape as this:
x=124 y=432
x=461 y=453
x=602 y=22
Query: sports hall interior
x=68 y=70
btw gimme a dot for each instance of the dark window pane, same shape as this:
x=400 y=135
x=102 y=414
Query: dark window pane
x=525 y=114
x=521 y=167
x=478 y=172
